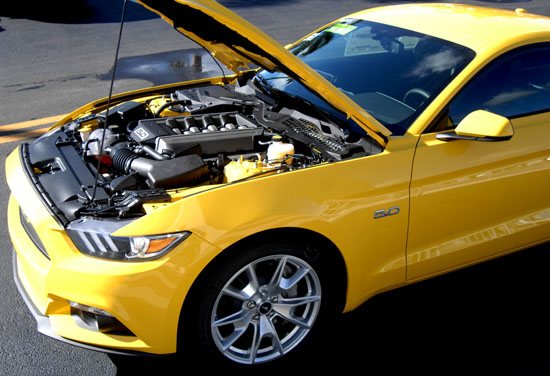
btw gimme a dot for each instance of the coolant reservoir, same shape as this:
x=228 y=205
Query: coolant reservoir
x=278 y=150
x=241 y=169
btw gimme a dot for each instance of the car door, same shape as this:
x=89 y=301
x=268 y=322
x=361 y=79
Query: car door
x=472 y=200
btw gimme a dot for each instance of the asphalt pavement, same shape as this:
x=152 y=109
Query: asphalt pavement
x=57 y=56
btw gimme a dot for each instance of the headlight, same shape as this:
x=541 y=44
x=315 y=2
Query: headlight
x=93 y=238
x=153 y=246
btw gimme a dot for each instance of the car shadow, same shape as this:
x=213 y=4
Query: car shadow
x=252 y=3
x=75 y=11
x=166 y=67
x=491 y=317
x=97 y=11
x=450 y=1
x=504 y=1
x=159 y=68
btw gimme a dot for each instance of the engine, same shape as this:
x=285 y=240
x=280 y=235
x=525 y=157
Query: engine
x=200 y=136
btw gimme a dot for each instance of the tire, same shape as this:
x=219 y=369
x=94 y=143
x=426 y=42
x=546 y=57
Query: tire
x=258 y=306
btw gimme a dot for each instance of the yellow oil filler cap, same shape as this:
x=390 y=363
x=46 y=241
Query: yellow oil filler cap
x=85 y=131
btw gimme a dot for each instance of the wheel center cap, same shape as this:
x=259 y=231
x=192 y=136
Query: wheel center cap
x=265 y=308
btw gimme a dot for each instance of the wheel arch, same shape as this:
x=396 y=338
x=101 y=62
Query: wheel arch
x=330 y=256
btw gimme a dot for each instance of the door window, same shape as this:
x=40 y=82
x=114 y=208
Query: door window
x=514 y=85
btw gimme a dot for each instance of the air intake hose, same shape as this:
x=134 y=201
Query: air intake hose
x=171 y=173
x=122 y=159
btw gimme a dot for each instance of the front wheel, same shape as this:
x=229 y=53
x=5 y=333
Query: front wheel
x=260 y=305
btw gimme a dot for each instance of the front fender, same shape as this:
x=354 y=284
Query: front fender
x=335 y=200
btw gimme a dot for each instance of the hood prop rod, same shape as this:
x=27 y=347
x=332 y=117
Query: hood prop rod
x=106 y=124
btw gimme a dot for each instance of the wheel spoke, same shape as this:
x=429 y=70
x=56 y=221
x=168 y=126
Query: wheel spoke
x=275 y=340
x=298 y=301
x=237 y=294
x=286 y=314
x=288 y=283
x=229 y=341
x=278 y=274
x=241 y=316
x=285 y=308
x=264 y=328
x=256 y=339
x=252 y=277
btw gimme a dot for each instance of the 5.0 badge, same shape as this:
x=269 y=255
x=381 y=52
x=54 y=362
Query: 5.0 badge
x=386 y=213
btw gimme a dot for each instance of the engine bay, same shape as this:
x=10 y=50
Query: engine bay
x=149 y=147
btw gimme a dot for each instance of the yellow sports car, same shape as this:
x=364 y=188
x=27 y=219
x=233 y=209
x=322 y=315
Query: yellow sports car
x=229 y=217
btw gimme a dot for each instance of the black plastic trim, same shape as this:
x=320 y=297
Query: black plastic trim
x=452 y=136
x=39 y=189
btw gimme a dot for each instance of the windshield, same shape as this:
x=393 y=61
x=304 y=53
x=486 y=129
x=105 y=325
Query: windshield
x=392 y=73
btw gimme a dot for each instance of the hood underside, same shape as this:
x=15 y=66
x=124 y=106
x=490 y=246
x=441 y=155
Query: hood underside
x=238 y=44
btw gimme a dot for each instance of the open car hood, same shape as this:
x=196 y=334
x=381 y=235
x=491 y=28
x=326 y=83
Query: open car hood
x=237 y=44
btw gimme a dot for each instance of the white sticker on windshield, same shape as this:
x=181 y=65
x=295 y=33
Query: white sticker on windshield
x=341 y=29
x=362 y=43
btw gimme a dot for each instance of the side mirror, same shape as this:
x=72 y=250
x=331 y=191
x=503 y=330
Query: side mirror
x=480 y=125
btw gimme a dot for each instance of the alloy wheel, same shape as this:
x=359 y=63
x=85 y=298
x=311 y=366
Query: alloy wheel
x=266 y=309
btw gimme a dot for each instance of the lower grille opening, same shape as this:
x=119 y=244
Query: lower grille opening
x=90 y=318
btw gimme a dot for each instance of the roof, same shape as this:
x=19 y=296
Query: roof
x=471 y=26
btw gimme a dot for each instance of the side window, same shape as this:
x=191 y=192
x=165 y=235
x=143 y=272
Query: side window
x=515 y=84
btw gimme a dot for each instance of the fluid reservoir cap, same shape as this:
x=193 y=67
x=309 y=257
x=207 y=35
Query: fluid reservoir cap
x=520 y=10
x=85 y=132
x=277 y=138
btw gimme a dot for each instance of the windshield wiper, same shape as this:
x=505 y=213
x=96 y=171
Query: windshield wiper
x=311 y=106
x=262 y=84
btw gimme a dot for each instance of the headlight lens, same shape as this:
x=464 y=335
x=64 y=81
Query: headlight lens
x=153 y=246
x=93 y=237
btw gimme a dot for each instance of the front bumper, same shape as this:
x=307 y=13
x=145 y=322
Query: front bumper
x=146 y=297
x=43 y=322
